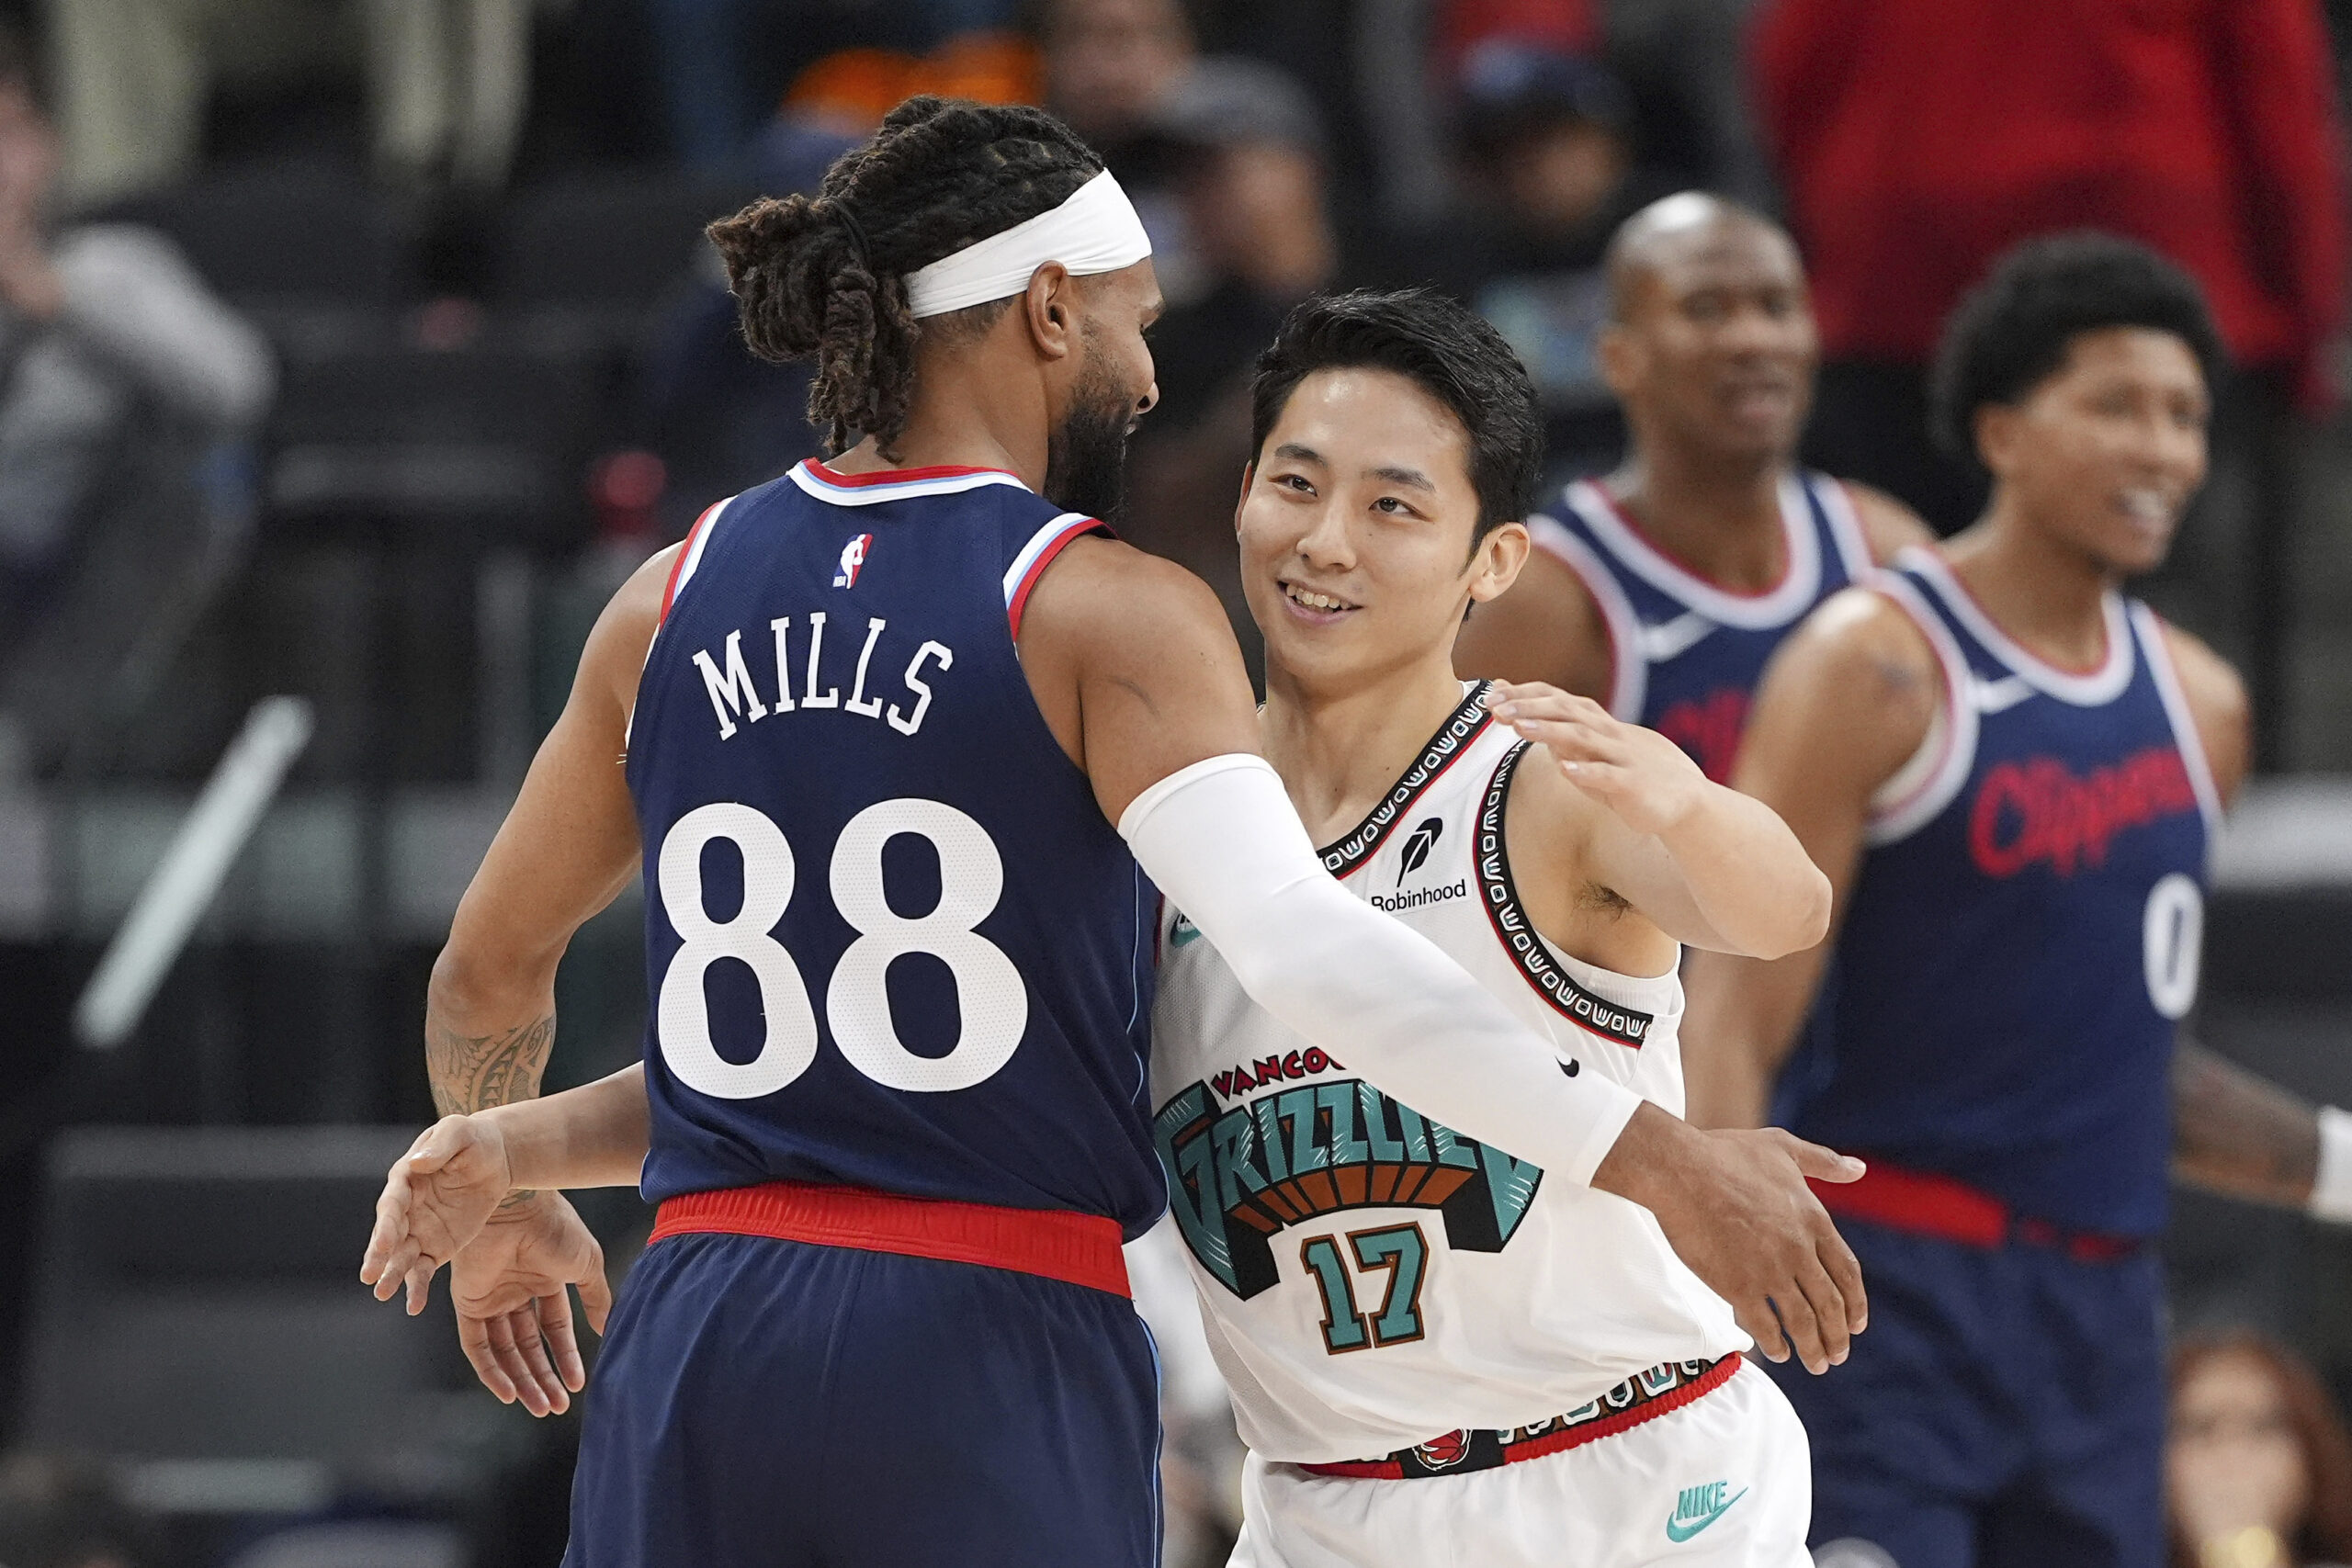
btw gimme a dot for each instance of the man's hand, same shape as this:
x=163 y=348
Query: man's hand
x=1647 y=780
x=513 y=1318
x=1736 y=1209
x=437 y=1198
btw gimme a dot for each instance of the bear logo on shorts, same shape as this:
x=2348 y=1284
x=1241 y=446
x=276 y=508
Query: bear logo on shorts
x=1441 y=1453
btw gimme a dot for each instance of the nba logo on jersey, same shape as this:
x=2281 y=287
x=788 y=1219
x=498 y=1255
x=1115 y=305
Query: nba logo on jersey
x=852 y=560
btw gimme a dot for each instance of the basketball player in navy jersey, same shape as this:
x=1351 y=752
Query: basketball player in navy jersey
x=896 y=740
x=1660 y=590
x=2012 y=774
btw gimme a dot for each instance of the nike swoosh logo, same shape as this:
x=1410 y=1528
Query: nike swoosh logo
x=1679 y=1533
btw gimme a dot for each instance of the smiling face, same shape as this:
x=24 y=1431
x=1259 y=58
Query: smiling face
x=1355 y=529
x=1713 y=345
x=2107 y=451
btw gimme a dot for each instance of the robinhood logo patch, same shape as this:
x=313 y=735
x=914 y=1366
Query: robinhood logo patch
x=1238 y=1178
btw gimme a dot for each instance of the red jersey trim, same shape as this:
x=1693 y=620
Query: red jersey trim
x=1567 y=1438
x=1079 y=1250
x=1780 y=584
x=897 y=476
x=1017 y=601
x=685 y=554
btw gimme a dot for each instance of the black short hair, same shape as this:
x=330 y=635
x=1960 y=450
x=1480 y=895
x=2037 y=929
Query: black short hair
x=2013 y=331
x=1449 y=351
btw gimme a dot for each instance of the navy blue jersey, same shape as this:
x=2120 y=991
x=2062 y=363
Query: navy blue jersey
x=890 y=939
x=1685 y=654
x=2025 y=930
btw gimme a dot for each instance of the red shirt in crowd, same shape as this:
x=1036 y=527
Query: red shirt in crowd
x=1919 y=139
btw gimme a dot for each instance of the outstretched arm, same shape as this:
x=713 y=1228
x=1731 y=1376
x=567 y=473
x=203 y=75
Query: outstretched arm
x=1844 y=702
x=1137 y=674
x=2235 y=1132
x=565 y=850
x=2239 y=1134
x=1630 y=811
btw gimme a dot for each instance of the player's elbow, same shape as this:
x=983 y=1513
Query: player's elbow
x=1799 y=920
x=476 y=972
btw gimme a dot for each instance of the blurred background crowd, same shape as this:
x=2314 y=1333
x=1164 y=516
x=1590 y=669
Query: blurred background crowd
x=356 y=349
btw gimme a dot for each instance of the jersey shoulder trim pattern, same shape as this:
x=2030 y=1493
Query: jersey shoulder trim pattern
x=1629 y=669
x=1030 y=563
x=681 y=570
x=837 y=489
x=1776 y=606
x=1927 y=783
x=2185 y=736
x=2078 y=688
x=1445 y=747
x=1500 y=896
x=1843 y=520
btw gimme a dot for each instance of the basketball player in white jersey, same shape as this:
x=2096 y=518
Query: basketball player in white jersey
x=1436 y=1354
x=1661 y=589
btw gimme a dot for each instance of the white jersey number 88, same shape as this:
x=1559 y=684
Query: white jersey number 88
x=988 y=992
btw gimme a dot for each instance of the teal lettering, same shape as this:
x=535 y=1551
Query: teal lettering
x=1297 y=1108
x=1376 y=1125
x=1450 y=1149
x=1417 y=1142
x=1270 y=1138
x=1510 y=1187
x=1340 y=1099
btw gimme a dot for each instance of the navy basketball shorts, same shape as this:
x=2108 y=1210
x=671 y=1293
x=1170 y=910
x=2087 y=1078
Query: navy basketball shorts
x=769 y=1403
x=2006 y=1409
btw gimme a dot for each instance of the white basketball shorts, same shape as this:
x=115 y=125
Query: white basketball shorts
x=1724 y=1480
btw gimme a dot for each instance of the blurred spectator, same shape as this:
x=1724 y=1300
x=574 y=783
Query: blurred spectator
x=58 y=1514
x=2259 y=1468
x=106 y=339
x=718 y=80
x=1917 y=139
x=1110 y=64
x=1544 y=137
x=1248 y=155
x=1111 y=67
x=448 y=79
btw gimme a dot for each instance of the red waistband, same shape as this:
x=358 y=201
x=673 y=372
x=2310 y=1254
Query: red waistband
x=1925 y=1203
x=1460 y=1453
x=1081 y=1249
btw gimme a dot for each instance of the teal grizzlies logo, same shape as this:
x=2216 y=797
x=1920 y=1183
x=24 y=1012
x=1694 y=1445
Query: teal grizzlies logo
x=1236 y=1178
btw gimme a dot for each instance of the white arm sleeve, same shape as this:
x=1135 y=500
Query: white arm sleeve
x=1222 y=840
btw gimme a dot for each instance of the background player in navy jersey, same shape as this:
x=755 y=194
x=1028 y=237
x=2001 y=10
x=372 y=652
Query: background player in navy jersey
x=1660 y=590
x=868 y=733
x=2011 y=775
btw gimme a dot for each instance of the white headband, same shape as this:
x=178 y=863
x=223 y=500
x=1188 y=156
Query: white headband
x=1095 y=230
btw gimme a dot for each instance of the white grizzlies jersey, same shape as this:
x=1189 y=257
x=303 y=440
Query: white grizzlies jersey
x=1368 y=1277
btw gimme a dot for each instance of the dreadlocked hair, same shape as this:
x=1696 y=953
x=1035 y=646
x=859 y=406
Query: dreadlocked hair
x=825 y=275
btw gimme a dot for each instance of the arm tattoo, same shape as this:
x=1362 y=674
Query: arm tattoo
x=2240 y=1135
x=474 y=1072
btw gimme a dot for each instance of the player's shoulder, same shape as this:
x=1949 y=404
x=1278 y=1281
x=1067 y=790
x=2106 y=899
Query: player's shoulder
x=2207 y=680
x=1861 y=625
x=1888 y=528
x=1106 y=588
x=2218 y=704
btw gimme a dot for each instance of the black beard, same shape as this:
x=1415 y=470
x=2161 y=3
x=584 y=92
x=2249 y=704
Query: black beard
x=1086 y=456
